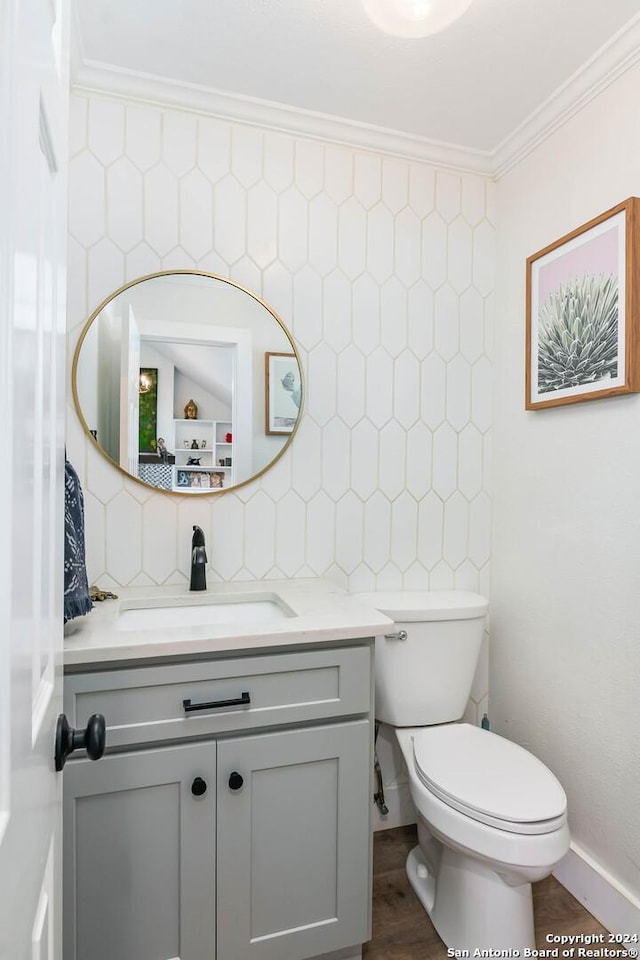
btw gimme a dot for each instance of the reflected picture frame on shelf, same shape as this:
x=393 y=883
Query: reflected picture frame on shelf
x=582 y=312
x=283 y=393
x=189 y=479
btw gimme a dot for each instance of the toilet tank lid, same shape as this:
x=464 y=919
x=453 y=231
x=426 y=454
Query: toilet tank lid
x=415 y=605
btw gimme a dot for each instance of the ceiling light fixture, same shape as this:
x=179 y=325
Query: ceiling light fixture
x=414 y=18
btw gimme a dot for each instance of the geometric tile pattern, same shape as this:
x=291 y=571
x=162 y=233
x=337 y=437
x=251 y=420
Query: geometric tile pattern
x=382 y=268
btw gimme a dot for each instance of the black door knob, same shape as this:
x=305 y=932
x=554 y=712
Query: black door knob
x=199 y=787
x=93 y=739
x=235 y=781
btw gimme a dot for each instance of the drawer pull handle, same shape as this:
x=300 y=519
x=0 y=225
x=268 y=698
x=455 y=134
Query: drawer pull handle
x=215 y=704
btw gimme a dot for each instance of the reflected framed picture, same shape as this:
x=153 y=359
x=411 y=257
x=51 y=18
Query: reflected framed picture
x=583 y=328
x=283 y=392
x=147 y=409
x=190 y=479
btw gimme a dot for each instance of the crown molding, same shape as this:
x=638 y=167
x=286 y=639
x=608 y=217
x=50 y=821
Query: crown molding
x=94 y=77
x=614 y=58
x=619 y=54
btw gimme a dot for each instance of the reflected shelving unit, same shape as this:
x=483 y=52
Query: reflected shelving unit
x=205 y=441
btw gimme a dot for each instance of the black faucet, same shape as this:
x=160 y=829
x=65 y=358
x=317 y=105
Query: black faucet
x=198 y=561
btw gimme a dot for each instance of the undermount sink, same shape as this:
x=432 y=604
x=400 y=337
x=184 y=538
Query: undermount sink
x=190 y=612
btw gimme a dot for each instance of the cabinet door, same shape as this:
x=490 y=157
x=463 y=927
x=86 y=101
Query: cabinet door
x=139 y=856
x=294 y=843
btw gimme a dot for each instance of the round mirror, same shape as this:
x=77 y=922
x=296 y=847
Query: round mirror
x=187 y=382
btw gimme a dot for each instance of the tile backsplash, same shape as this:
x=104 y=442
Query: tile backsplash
x=382 y=269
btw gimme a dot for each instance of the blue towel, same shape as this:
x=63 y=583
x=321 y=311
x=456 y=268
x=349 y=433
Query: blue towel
x=77 y=601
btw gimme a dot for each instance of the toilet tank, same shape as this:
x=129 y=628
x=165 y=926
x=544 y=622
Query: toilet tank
x=427 y=677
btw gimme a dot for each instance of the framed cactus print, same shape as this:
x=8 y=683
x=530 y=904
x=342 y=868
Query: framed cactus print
x=583 y=323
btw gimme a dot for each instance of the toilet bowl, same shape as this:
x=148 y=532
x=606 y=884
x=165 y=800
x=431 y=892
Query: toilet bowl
x=484 y=837
x=492 y=818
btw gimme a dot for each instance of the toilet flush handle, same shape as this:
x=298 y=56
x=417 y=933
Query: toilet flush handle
x=398 y=635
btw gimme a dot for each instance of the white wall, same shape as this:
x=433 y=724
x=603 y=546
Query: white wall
x=383 y=270
x=565 y=620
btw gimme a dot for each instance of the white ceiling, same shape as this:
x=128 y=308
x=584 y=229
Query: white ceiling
x=471 y=86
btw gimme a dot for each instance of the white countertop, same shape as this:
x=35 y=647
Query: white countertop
x=322 y=613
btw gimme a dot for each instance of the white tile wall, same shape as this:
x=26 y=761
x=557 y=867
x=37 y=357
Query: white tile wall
x=382 y=268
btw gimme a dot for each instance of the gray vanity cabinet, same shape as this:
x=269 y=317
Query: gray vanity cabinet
x=235 y=832
x=294 y=843
x=139 y=856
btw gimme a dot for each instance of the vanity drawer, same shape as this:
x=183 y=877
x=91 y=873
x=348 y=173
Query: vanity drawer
x=146 y=704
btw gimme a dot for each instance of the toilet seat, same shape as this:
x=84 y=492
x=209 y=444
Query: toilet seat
x=489 y=779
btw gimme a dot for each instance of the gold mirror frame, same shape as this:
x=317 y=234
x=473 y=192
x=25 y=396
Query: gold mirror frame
x=85 y=426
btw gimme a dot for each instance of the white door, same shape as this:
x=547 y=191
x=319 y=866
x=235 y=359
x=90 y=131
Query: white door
x=33 y=169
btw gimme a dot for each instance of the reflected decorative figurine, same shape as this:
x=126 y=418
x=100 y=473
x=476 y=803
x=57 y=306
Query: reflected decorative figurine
x=191 y=410
x=161 y=450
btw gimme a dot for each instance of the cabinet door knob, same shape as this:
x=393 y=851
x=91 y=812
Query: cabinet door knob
x=199 y=787
x=235 y=781
x=92 y=739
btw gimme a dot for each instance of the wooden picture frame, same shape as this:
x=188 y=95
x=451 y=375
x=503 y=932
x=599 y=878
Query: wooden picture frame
x=283 y=393
x=582 y=323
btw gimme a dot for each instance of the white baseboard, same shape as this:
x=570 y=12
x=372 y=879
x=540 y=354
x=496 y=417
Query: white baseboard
x=616 y=908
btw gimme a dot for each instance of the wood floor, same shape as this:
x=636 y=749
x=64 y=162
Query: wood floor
x=402 y=930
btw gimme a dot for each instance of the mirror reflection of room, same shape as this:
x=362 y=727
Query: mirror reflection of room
x=172 y=374
x=171 y=382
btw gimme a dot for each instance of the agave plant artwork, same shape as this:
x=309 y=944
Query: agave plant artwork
x=578 y=333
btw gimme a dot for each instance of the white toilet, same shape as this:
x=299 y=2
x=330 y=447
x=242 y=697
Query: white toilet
x=491 y=817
